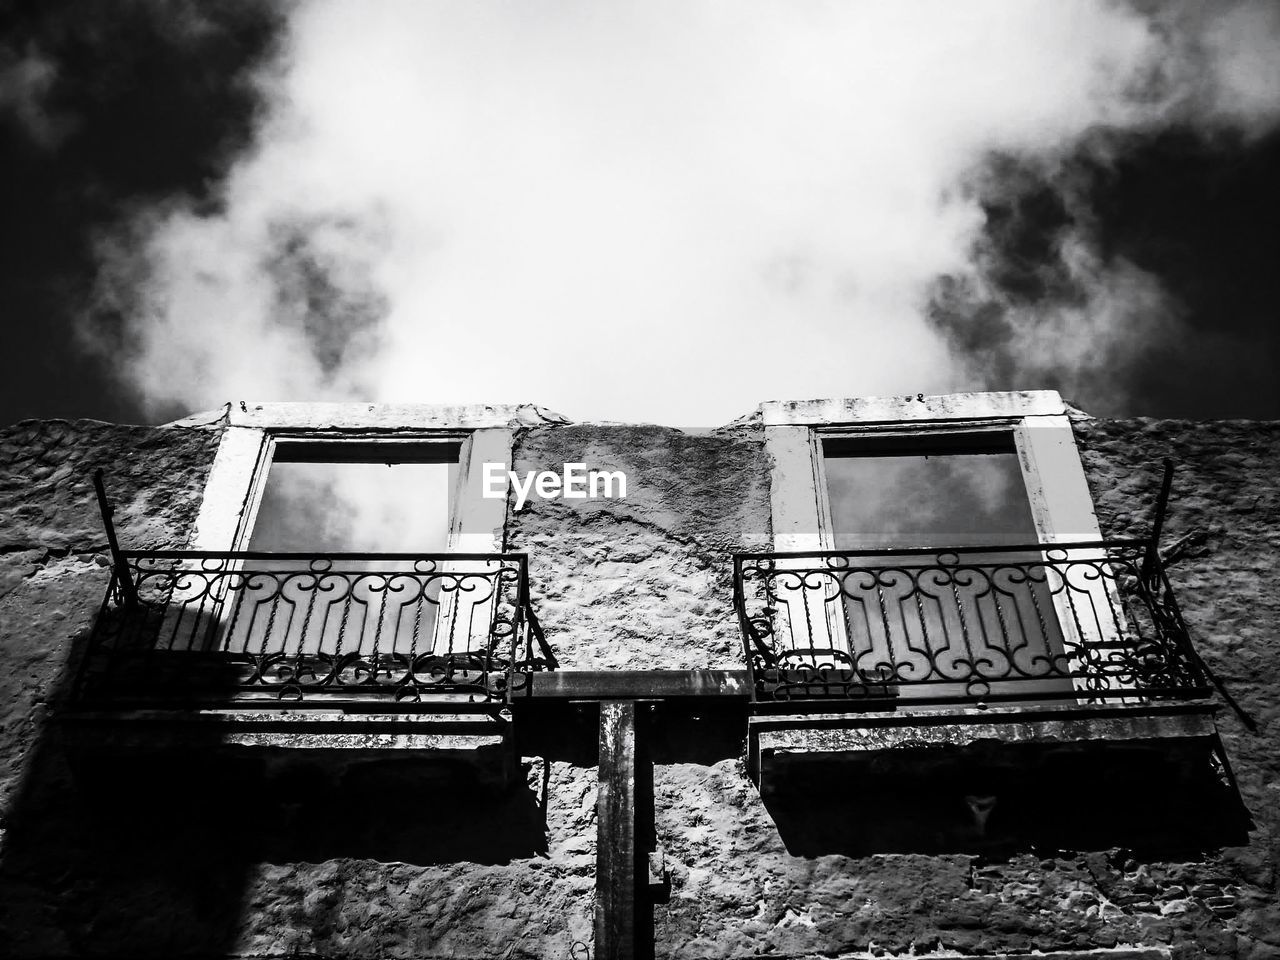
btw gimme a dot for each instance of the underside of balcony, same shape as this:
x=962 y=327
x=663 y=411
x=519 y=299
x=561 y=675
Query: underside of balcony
x=997 y=780
x=478 y=746
x=1025 y=738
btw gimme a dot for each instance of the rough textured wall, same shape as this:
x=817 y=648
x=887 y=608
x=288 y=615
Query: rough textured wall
x=130 y=855
x=144 y=862
x=530 y=900
x=738 y=891
x=53 y=573
x=53 y=550
x=645 y=582
x=159 y=862
x=1220 y=541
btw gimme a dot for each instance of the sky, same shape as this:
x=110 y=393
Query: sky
x=638 y=211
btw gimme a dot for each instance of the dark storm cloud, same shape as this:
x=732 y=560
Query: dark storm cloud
x=106 y=107
x=1134 y=273
x=1133 y=268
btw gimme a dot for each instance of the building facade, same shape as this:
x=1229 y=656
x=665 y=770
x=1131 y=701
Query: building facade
x=877 y=677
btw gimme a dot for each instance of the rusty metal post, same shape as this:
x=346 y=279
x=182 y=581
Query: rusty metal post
x=118 y=564
x=1162 y=501
x=1148 y=574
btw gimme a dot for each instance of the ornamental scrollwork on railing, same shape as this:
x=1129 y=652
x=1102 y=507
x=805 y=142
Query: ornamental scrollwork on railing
x=291 y=627
x=1087 y=622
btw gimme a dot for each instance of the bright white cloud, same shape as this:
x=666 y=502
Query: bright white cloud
x=637 y=211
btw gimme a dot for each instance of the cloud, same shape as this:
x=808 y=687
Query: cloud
x=281 y=304
x=1221 y=69
x=26 y=79
x=1090 y=325
x=665 y=211
x=1121 y=266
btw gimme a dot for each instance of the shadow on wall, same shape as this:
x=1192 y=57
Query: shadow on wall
x=117 y=848
x=110 y=852
x=276 y=808
x=1091 y=800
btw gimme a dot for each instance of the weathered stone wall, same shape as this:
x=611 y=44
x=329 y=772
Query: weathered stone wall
x=529 y=900
x=184 y=861
x=162 y=856
x=645 y=582
x=1220 y=543
x=53 y=548
x=53 y=574
x=737 y=891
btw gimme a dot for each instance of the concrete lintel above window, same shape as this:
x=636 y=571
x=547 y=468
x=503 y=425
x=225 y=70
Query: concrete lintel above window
x=383 y=416
x=955 y=406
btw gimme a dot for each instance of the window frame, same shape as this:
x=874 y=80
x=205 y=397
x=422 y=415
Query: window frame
x=477 y=525
x=273 y=440
x=233 y=490
x=1053 y=475
x=920 y=433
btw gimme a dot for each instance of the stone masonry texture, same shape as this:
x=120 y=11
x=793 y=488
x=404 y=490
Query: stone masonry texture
x=135 y=856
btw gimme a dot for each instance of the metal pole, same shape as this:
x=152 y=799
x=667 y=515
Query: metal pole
x=1162 y=501
x=1149 y=574
x=118 y=563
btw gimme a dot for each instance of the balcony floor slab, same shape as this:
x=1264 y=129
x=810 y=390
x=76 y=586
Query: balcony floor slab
x=923 y=737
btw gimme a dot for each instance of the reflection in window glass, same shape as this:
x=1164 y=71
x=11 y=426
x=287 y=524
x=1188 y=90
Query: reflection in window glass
x=355 y=507
x=936 y=627
x=927 y=500
x=328 y=507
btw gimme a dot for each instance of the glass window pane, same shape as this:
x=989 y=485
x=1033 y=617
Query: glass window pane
x=355 y=507
x=329 y=606
x=927 y=500
x=974 y=625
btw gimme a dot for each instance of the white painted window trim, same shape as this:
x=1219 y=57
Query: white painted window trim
x=272 y=440
x=1057 y=491
x=241 y=466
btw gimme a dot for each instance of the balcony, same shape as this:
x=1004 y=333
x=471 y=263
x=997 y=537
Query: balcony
x=388 y=631
x=311 y=659
x=896 y=657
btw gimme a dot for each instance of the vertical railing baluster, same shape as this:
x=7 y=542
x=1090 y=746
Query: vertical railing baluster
x=884 y=623
x=931 y=655
x=962 y=618
x=1006 y=644
x=377 y=632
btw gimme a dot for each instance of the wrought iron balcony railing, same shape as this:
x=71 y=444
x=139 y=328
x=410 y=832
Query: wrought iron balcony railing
x=199 y=627
x=1083 y=622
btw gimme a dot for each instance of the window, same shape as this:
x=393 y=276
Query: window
x=263 y=440
x=336 y=496
x=940 y=593
x=917 y=551
x=344 y=550
x=940 y=489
